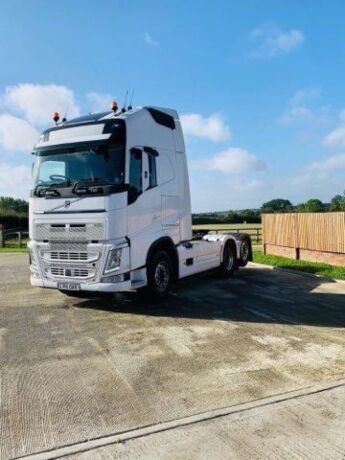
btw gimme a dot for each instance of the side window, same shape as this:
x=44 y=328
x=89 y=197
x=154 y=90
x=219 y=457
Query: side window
x=135 y=175
x=152 y=171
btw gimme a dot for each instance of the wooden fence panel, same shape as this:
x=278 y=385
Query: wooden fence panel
x=279 y=229
x=312 y=231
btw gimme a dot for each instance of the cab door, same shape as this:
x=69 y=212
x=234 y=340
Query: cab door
x=144 y=203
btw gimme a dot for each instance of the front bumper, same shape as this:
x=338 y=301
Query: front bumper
x=52 y=264
x=88 y=287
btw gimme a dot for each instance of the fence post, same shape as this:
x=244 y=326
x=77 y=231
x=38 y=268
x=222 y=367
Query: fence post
x=257 y=235
x=2 y=236
x=295 y=229
x=263 y=233
x=20 y=239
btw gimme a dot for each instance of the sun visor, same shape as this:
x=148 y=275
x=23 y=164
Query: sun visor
x=75 y=131
x=90 y=132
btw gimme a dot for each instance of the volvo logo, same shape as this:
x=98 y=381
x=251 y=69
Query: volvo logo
x=67 y=204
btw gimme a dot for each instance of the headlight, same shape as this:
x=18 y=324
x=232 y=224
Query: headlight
x=113 y=260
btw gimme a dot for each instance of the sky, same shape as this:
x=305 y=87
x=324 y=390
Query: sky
x=259 y=86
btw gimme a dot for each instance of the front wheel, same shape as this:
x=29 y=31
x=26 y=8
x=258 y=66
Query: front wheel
x=159 y=276
x=229 y=263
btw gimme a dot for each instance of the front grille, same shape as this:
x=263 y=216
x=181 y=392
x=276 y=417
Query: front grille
x=70 y=260
x=70 y=272
x=69 y=256
x=69 y=232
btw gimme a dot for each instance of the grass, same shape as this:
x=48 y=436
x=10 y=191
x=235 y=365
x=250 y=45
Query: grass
x=7 y=249
x=316 y=268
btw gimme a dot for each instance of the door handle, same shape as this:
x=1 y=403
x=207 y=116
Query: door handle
x=155 y=217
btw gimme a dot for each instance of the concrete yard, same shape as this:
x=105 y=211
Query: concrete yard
x=250 y=367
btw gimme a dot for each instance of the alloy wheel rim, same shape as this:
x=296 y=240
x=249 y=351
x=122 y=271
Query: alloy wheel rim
x=229 y=260
x=162 y=276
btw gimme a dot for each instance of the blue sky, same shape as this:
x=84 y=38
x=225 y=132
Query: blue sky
x=258 y=85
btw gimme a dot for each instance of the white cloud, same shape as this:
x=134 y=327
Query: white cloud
x=100 y=102
x=305 y=95
x=251 y=185
x=150 y=40
x=336 y=138
x=16 y=133
x=212 y=128
x=272 y=42
x=296 y=114
x=335 y=163
x=231 y=161
x=38 y=102
x=14 y=180
x=299 y=110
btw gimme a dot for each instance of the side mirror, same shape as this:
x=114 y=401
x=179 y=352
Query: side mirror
x=136 y=152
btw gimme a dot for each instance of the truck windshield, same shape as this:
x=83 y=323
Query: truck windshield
x=102 y=164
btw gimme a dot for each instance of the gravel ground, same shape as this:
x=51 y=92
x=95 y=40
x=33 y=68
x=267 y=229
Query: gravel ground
x=74 y=370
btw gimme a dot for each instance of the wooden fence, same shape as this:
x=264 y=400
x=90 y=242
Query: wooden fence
x=307 y=236
x=13 y=237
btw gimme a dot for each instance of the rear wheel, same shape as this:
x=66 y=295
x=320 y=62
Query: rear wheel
x=244 y=252
x=159 y=275
x=229 y=263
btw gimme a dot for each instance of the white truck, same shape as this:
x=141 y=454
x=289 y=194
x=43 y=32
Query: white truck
x=110 y=207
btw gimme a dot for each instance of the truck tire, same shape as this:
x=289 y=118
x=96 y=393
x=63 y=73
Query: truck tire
x=245 y=252
x=159 y=276
x=229 y=263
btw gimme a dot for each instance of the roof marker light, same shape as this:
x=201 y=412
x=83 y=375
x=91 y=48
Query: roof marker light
x=114 y=106
x=56 y=117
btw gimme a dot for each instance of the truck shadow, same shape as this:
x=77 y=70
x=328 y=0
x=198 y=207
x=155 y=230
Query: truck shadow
x=253 y=295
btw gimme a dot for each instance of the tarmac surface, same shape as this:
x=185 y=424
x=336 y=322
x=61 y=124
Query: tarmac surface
x=74 y=370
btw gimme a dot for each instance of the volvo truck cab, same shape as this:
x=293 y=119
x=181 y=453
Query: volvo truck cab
x=110 y=207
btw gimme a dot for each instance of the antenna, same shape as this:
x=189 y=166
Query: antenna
x=130 y=107
x=124 y=102
x=65 y=117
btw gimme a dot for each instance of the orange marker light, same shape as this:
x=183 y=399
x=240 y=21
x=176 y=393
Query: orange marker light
x=56 y=117
x=114 y=106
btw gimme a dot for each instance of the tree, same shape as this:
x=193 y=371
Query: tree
x=277 y=205
x=313 y=205
x=8 y=203
x=338 y=203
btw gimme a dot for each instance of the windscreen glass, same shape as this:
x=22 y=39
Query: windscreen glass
x=105 y=163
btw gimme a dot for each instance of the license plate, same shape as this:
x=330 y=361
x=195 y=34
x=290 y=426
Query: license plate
x=69 y=286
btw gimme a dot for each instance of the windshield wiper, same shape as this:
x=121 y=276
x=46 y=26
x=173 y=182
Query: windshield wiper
x=41 y=189
x=45 y=190
x=84 y=186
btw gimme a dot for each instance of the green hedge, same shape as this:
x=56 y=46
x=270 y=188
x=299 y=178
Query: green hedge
x=11 y=219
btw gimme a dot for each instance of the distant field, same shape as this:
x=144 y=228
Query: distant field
x=254 y=230
x=226 y=226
